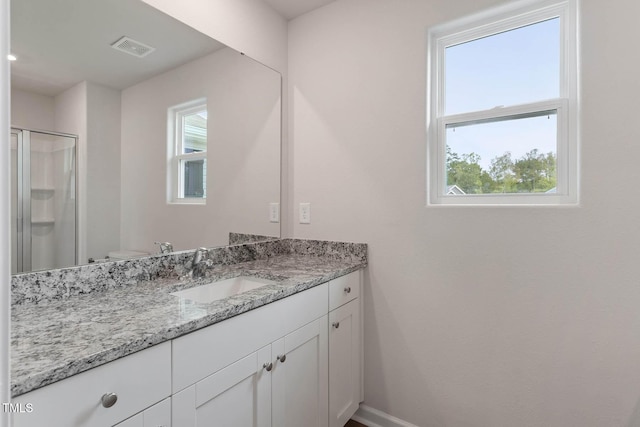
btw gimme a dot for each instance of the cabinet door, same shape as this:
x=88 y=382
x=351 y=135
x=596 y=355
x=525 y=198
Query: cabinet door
x=300 y=381
x=135 y=421
x=344 y=363
x=159 y=415
x=236 y=396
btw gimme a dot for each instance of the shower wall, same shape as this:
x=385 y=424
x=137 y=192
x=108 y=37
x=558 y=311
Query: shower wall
x=42 y=205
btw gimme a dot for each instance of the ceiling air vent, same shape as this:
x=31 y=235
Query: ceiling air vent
x=132 y=47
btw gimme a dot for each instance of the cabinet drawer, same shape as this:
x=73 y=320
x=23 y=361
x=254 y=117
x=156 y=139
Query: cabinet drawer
x=344 y=289
x=138 y=380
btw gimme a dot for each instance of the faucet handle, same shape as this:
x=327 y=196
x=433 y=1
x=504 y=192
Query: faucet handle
x=165 y=247
x=199 y=254
x=203 y=251
x=196 y=262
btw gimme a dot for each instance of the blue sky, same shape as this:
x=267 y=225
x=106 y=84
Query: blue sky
x=510 y=68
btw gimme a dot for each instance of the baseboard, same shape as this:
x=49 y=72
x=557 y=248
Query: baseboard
x=373 y=418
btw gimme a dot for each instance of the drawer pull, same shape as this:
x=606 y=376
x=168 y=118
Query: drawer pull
x=336 y=325
x=347 y=290
x=268 y=366
x=282 y=358
x=109 y=399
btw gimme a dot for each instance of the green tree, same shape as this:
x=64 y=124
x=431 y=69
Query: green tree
x=464 y=171
x=502 y=173
x=488 y=183
x=535 y=172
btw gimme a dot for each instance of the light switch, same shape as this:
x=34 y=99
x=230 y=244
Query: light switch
x=305 y=213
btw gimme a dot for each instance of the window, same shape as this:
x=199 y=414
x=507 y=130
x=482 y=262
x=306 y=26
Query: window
x=502 y=109
x=187 y=149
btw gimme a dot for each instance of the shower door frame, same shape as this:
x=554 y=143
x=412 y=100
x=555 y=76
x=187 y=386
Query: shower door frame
x=23 y=208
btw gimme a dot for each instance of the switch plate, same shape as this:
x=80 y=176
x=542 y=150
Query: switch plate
x=305 y=213
x=274 y=212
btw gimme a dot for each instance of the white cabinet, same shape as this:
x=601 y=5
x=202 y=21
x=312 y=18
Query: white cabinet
x=205 y=351
x=295 y=362
x=282 y=384
x=135 y=382
x=159 y=415
x=310 y=376
x=345 y=349
x=267 y=367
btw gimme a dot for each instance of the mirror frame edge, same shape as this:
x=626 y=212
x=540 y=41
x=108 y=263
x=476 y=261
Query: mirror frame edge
x=5 y=268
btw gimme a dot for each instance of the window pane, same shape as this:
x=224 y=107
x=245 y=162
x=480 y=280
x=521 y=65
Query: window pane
x=505 y=155
x=195 y=132
x=194 y=173
x=509 y=68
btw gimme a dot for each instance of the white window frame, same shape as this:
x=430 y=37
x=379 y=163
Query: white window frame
x=494 y=21
x=175 y=174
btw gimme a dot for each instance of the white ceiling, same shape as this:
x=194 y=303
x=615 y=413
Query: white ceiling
x=61 y=43
x=64 y=42
x=293 y=8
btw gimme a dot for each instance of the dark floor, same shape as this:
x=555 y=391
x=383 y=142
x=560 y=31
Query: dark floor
x=352 y=423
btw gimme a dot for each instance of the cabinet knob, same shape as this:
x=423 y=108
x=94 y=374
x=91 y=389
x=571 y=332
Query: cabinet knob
x=347 y=289
x=336 y=325
x=282 y=357
x=268 y=366
x=109 y=399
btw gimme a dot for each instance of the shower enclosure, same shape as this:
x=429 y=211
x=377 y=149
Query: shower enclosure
x=43 y=200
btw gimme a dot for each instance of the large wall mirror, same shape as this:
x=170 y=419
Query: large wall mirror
x=173 y=137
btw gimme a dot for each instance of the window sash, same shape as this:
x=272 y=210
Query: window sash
x=180 y=115
x=558 y=107
x=493 y=27
x=179 y=176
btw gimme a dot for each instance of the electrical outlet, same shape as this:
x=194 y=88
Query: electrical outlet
x=274 y=212
x=305 y=213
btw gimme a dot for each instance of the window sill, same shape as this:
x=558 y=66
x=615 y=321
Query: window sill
x=509 y=200
x=190 y=202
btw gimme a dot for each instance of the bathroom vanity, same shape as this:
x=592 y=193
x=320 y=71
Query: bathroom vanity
x=287 y=353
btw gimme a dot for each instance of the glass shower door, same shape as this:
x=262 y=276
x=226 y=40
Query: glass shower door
x=16 y=215
x=45 y=200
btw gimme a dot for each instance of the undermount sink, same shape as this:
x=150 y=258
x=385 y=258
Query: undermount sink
x=222 y=289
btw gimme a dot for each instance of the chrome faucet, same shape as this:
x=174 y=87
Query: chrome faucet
x=197 y=264
x=199 y=254
x=165 y=247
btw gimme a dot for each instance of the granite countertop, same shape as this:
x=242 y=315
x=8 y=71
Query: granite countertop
x=53 y=340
